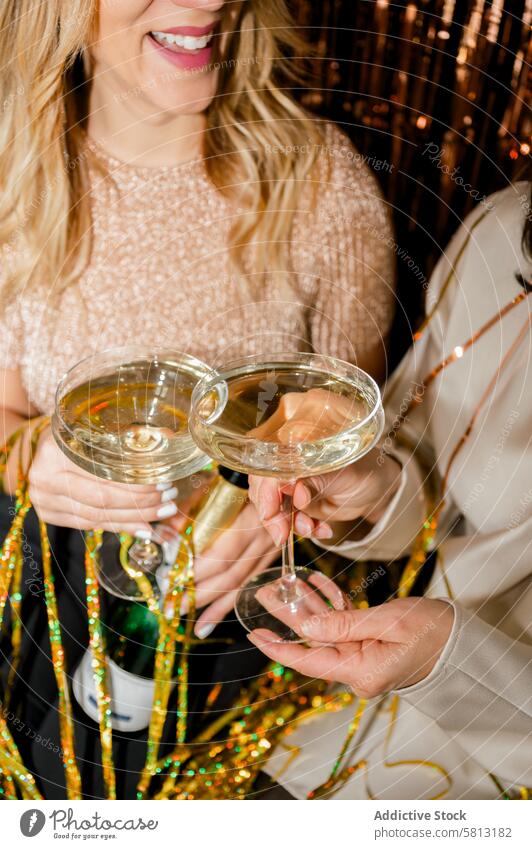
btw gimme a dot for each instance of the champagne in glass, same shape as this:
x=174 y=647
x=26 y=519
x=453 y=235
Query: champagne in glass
x=123 y=415
x=288 y=416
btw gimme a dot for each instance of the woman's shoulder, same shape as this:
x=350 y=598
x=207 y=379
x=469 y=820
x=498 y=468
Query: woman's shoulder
x=498 y=219
x=346 y=165
x=487 y=248
x=346 y=189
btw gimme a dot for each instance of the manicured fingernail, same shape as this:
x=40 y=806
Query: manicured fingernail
x=167 y=510
x=324 y=532
x=303 y=525
x=261 y=510
x=143 y=534
x=169 y=494
x=203 y=632
x=276 y=535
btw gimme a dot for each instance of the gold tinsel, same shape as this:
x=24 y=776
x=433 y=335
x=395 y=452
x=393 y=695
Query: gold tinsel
x=224 y=760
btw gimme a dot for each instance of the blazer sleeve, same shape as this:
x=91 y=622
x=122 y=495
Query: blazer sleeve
x=392 y=536
x=480 y=693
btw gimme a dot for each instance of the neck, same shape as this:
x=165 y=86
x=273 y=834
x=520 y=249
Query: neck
x=129 y=131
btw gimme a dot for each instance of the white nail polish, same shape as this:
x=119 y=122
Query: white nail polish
x=143 y=534
x=169 y=494
x=167 y=510
x=161 y=487
x=203 y=632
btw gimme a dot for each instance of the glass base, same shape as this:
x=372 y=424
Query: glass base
x=152 y=557
x=263 y=603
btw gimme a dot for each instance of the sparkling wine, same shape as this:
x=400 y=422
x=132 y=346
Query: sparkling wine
x=287 y=416
x=131 y=423
x=285 y=420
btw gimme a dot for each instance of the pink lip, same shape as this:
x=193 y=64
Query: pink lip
x=194 y=31
x=188 y=62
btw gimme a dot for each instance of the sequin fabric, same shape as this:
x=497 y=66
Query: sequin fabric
x=160 y=274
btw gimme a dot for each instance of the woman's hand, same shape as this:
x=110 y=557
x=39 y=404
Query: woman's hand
x=241 y=551
x=65 y=495
x=362 y=490
x=373 y=651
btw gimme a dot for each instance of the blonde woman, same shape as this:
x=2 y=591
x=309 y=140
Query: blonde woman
x=160 y=185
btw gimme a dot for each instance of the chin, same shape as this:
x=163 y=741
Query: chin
x=176 y=82
x=183 y=102
x=171 y=90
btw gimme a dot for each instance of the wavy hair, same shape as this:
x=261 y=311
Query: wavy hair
x=45 y=217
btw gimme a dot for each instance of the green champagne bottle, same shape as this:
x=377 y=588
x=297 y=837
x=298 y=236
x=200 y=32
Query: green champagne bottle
x=130 y=629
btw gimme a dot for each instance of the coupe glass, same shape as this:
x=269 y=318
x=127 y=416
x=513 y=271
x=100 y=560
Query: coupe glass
x=288 y=416
x=122 y=414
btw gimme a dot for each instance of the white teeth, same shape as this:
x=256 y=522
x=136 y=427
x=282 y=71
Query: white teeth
x=188 y=42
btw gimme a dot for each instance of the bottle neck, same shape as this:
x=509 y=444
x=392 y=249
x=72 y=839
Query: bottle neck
x=235 y=478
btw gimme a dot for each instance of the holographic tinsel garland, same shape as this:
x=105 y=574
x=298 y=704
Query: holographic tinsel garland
x=12 y=769
x=180 y=580
x=93 y=542
x=66 y=725
x=209 y=767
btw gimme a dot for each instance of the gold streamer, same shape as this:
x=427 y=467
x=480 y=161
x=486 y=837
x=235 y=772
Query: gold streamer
x=93 y=541
x=169 y=619
x=393 y=709
x=66 y=725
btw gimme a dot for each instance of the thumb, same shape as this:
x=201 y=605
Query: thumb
x=348 y=626
x=308 y=489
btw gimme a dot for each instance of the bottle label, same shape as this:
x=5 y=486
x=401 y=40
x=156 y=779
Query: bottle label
x=131 y=695
x=217 y=512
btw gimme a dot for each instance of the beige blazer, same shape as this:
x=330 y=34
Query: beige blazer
x=472 y=716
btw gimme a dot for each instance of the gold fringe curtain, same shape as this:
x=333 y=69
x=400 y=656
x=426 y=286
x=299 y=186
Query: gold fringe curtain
x=400 y=76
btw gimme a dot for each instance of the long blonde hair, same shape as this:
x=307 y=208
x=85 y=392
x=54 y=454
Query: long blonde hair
x=45 y=193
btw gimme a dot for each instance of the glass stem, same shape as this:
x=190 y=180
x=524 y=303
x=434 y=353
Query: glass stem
x=288 y=576
x=145 y=554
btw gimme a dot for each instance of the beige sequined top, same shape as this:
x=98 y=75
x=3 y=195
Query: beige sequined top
x=159 y=274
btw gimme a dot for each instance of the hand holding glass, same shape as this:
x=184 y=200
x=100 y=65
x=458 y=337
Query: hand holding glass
x=122 y=414
x=288 y=416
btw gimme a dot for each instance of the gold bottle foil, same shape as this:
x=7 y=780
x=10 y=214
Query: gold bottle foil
x=218 y=511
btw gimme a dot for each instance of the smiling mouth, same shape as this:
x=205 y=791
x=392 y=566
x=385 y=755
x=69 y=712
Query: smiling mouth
x=187 y=44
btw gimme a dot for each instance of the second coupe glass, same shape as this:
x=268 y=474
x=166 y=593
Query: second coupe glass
x=288 y=416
